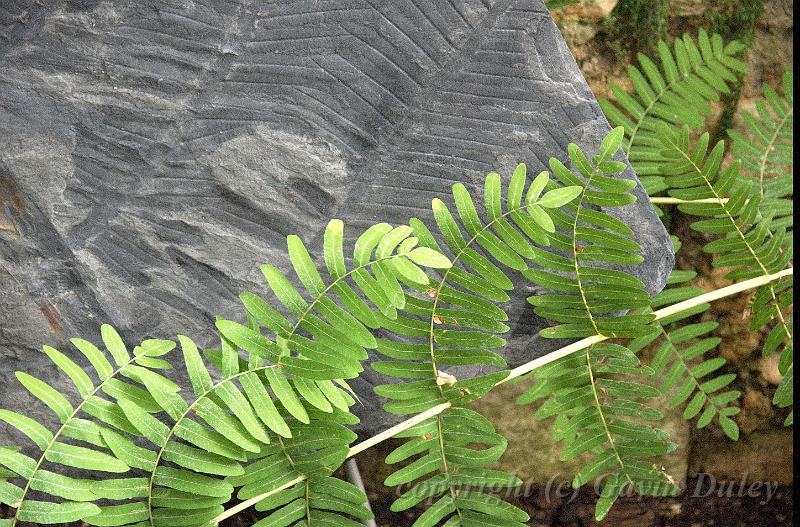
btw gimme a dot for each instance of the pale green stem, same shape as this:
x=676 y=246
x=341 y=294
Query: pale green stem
x=523 y=370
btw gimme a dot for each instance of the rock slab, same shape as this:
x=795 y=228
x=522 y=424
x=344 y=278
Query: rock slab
x=153 y=154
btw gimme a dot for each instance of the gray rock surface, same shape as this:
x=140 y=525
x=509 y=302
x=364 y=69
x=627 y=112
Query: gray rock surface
x=153 y=153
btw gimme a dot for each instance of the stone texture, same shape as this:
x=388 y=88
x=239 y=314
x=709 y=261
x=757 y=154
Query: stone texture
x=152 y=154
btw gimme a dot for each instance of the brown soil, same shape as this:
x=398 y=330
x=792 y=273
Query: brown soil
x=685 y=511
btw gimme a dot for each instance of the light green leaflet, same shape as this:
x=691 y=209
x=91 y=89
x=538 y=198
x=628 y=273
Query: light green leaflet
x=114 y=345
x=47 y=394
x=36 y=432
x=82 y=381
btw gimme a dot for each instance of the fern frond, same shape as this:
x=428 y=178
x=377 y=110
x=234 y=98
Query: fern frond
x=582 y=291
x=749 y=243
x=304 y=366
x=314 y=449
x=591 y=239
x=457 y=322
x=56 y=453
x=773 y=304
x=319 y=501
x=307 y=458
x=767 y=152
x=602 y=413
x=455 y=448
x=677 y=92
x=599 y=403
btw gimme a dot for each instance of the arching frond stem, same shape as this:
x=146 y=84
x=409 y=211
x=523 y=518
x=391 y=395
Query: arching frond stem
x=526 y=368
x=665 y=200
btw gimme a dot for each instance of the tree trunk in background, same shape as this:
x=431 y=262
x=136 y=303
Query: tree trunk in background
x=733 y=20
x=637 y=26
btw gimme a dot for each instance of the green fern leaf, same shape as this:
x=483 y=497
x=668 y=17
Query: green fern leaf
x=747 y=242
x=767 y=152
x=322 y=501
x=681 y=363
x=691 y=75
x=456 y=321
x=597 y=392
